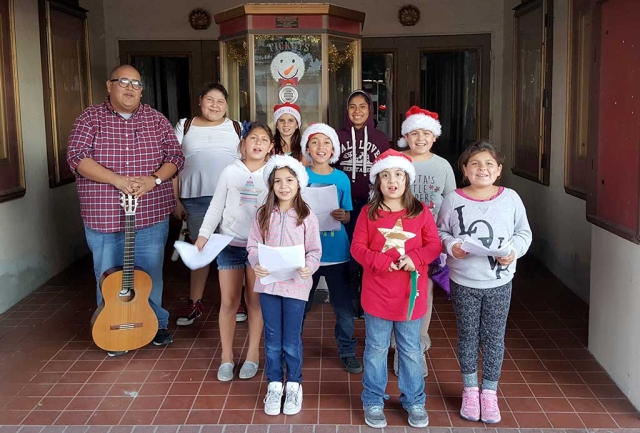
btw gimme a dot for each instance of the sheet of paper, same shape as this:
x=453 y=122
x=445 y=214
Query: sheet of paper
x=473 y=246
x=323 y=200
x=281 y=262
x=195 y=259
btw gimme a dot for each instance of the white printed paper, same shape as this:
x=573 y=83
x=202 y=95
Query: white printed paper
x=322 y=201
x=195 y=259
x=281 y=262
x=473 y=246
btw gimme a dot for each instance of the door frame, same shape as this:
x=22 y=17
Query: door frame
x=201 y=54
x=408 y=51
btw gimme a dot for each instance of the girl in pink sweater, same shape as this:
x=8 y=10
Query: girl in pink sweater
x=284 y=220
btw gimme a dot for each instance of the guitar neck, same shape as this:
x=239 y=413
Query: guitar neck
x=129 y=251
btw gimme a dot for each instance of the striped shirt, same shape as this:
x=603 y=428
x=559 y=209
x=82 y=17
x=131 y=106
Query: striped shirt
x=284 y=232
x=137 y=146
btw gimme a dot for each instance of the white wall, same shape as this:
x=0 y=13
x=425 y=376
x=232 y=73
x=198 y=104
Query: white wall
x=41 y=232
x=613 y=313
x=561 y=233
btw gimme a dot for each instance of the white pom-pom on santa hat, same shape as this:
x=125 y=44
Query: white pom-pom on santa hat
x=279 y=161
x=417 y=118
x=286 y=108
x=321 y=128
x=392 y=159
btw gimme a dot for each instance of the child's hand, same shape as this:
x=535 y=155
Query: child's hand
x=506 y=261
x=201 y=242
x=406 y=264
x=393 y=267
x=339 y=215
x=260 y=271
x=304 y=272
x=458 y=252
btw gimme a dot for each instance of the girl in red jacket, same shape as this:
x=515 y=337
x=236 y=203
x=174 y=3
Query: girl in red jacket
x=395 y=239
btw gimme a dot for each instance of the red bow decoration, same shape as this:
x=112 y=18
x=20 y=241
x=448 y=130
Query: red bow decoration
x=417 y=110
x=284 y=81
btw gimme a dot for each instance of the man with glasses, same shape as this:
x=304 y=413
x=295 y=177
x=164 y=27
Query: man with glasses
x=122 y=145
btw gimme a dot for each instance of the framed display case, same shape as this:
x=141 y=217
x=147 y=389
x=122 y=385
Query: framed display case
x=305 y=54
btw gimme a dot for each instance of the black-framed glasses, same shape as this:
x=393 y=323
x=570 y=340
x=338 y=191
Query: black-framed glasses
x=124 y=83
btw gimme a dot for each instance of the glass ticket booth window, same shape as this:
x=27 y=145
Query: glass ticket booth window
x=304 y=54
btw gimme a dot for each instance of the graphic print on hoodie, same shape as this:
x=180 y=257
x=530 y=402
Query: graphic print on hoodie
x=356 y=160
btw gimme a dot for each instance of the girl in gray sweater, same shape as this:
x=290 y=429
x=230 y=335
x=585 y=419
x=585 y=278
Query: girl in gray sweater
x=481 y=284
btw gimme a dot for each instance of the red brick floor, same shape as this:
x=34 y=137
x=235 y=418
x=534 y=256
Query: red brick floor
x=54 y=374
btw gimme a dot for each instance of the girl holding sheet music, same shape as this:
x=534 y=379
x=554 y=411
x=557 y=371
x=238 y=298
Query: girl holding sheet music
x=284 y=220
x=395 y=239
x=481 y=284
x=238 y=194
x=321 y=145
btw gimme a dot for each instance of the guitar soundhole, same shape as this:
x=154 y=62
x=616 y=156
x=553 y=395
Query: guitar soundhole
x=126 y=296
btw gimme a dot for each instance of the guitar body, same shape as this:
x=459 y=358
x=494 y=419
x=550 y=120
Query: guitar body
x=124 y=322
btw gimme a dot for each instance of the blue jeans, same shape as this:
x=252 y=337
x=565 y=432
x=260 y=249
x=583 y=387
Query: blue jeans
x=337 y=278
x=376 y=347
x=282 y=334
x=196 y=208
x=108 y=252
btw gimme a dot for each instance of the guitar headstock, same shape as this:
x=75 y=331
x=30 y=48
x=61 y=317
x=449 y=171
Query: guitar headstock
x=129 y=203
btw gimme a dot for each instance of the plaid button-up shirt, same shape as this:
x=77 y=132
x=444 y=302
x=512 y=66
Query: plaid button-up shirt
x=137 y=146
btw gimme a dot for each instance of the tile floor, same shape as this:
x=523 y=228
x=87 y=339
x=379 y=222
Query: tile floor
x=54 y=374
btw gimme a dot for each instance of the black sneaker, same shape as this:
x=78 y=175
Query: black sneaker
x=113 y=354
x=351 y=364
x=162 y=338
x=190 y=312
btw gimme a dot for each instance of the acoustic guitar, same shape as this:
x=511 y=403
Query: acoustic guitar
x=125 y=320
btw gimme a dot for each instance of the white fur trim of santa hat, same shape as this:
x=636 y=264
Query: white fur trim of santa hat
x=279 y=161
x=392 y=159
x=286 y=108
x=321 y=128
x=417 y=118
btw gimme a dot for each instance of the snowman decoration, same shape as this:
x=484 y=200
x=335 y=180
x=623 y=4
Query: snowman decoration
x=287 y=68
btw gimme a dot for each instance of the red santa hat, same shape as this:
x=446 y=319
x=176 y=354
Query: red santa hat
x=279 y=161
x=321 y=128
x=418 y=118
x=392 y=159
x=286 y=108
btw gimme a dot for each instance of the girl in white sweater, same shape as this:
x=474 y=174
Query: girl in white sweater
x=239 y=193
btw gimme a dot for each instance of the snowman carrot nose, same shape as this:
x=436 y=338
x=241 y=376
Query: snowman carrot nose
x=288 y=70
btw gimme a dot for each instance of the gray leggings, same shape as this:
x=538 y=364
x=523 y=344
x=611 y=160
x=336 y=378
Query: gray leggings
x=482 y=319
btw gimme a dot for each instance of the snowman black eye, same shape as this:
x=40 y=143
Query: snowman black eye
x=281 y=60
x=293 y=60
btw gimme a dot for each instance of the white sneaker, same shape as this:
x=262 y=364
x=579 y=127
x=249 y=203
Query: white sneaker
x=273 y=399
x=293 y=400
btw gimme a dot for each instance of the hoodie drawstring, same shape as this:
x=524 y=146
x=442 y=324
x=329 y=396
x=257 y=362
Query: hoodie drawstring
x=354 y=153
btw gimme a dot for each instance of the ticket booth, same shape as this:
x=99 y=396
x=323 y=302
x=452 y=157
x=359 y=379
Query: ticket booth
x=307 y=54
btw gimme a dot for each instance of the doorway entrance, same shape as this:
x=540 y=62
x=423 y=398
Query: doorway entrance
x=445 y=74
x=173 y=72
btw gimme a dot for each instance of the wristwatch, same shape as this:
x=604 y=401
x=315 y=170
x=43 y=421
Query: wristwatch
x=158 y=181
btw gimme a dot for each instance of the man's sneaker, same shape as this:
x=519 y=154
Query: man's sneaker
x=241 y=314
x=470 y=409
x=351 y=364
x=489 y=407
x=273 y=399
x=293 y=399
x=418 y=417
x=116 y=353
x=374 y=416
x=162 y=338
x=190 y=313
x=395 y=362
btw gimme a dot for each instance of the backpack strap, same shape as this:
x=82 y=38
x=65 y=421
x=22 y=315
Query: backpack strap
x=238 y=128
x=187 y=125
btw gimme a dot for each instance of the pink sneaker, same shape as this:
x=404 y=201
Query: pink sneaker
x=470 y=409
x=489 y=406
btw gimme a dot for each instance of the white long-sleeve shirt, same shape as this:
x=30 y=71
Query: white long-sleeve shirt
x=493 y=222
x=238 y=196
